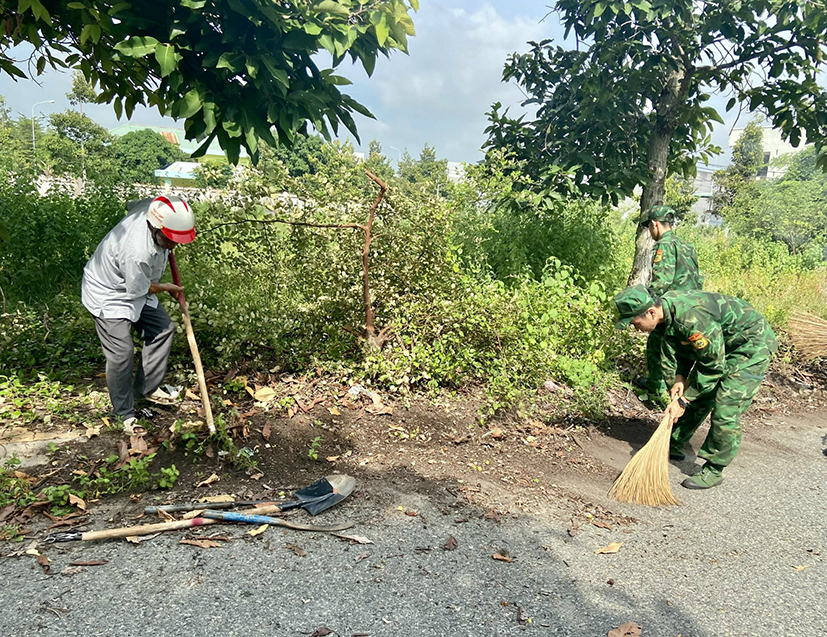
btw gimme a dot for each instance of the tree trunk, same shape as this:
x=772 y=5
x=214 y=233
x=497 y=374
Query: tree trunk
x=668 y=110
x=652 y=195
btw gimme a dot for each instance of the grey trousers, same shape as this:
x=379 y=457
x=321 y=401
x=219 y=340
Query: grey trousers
x=156 y=330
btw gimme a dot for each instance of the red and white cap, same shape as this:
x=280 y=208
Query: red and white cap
x=172 y=216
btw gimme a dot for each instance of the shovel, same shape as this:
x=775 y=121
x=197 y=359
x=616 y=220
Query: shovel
x=315 y=498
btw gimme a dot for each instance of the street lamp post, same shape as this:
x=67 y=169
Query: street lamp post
x=33 y=105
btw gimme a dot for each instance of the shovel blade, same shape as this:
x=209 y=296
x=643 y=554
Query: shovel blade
x=323 y=494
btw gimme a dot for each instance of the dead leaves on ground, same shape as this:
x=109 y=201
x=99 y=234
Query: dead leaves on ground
x=613 y=547
x=629 y=629
x=503 y=557
x=211 y=480
x=201 y=543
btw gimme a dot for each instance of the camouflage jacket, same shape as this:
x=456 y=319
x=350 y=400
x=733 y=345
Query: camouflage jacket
x=708 y=334
x=675 y=265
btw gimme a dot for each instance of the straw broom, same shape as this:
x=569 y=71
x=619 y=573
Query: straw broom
x=809 y=335
x=645 y=480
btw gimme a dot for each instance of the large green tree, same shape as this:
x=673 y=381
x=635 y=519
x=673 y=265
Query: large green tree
x=79 y=147
x=628 y=104
x=234 y=70
x=140 y=153
x=747 y=159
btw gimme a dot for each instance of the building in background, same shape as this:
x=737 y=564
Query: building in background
x=774 y=147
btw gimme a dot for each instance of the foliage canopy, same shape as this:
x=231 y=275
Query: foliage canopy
x=233 y=70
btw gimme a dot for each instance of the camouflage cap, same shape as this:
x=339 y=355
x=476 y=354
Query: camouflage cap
x=632 y=302
x=660 y=213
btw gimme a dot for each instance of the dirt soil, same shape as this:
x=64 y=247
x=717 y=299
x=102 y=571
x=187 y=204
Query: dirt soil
x=538 y=459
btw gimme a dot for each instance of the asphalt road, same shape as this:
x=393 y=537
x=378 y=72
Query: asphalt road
x=746 y=558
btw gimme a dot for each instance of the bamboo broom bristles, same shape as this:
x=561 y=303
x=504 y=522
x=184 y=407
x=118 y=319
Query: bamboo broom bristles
x=809 y=335
x=645 y=480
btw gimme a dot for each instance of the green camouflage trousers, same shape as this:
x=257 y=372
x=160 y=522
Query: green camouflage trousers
x=657 y=385
x=727 y=403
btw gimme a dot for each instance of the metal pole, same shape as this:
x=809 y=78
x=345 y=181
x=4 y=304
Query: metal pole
x=33 y=105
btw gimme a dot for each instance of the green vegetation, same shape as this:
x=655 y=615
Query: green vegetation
x=203 y=67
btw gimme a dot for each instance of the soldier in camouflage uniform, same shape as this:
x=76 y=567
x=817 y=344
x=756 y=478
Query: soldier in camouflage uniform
x=674 y=267
x=717 y=349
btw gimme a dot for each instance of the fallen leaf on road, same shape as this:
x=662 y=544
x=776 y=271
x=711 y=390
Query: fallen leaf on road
x=614 y=547
x=321 y=632
x=266 y=431
x=297 y=550
x=204 y=544
x=189 y=515
x=137 y=539
x=451 y=544
x=502 y=558
x=334 y=412
x=257 y=476
x=211 y=480
x=191 y=395
x=258 y=531
x=574 y=529
x=522 y=615
x=361 y=557
x=44 y=562
x=800 y=568
x=136 y=497
x=629 y=629
x=6 y=511
x=412 y=514
x=354 y=538
x=602 y=525
x=90 y=563
x=76 y=501
x=71 y=570
x=93 y=431
x=332 y=458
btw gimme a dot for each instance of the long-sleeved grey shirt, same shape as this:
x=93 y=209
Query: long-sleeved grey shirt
x=116 y=279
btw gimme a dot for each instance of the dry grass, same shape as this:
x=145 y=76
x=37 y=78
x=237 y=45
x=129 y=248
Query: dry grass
x=809 y=335
x=645 y=480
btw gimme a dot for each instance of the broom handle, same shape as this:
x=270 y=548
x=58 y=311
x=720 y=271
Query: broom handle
x=196 y=357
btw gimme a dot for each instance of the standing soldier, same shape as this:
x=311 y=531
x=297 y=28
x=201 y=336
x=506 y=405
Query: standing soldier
x=674 y=267
x=717 y=349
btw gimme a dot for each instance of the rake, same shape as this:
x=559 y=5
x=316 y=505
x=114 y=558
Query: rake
x=645 y=480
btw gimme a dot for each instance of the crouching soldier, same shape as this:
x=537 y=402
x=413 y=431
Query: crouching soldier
x=716 y=351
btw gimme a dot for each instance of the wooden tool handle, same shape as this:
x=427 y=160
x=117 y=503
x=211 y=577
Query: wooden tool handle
x=196 y=357
x=148 y=529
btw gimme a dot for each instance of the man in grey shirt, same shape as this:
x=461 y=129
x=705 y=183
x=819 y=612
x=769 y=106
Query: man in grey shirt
x=119 y=285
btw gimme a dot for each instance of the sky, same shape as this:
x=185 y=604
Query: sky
x=438 y=94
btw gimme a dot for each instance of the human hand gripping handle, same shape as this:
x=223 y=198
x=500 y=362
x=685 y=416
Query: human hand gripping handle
x=678 y=388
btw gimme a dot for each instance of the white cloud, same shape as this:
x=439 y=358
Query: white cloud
x=439 y=94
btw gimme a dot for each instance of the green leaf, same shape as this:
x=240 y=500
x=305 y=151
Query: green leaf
x=193 y=4
x=189 y=105
x=329 y=6
x=382 y=29
x=415 y=5
x=167 y=58
x=232 y=61
x=312 y=29
x=137 y=46
x=76 y=5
